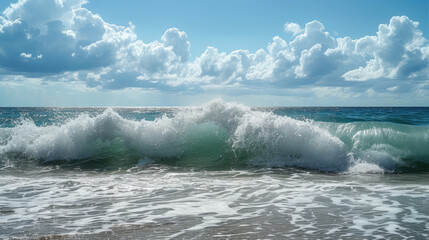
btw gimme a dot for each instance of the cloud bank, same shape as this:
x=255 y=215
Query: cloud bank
x=65 y=42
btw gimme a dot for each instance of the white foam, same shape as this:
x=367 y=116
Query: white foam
x=84 y=136
x=302 y=206
x=364 y=167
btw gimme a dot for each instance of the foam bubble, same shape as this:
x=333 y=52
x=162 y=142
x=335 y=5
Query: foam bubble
x=365 y=167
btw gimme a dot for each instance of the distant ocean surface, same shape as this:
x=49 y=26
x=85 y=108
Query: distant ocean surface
x=220 y=170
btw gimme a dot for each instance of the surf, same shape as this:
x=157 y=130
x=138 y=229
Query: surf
x=219 y=135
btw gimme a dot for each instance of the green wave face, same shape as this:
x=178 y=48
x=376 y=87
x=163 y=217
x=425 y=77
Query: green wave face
x=392 y=146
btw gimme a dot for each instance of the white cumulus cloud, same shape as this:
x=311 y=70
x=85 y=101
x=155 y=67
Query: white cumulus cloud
x=396 y=52
x=293 y=28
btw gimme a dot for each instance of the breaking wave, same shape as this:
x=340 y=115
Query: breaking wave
x=222 y=134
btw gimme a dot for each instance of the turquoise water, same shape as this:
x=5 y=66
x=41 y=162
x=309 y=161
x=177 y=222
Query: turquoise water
x=217 y=170
x=219 y=137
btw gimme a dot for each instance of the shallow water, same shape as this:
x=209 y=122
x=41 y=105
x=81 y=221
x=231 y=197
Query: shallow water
x=222 y=170
x=158 y=203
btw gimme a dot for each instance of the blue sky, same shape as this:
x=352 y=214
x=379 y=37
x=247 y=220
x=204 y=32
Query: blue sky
x=157 y=53
x=251 y=24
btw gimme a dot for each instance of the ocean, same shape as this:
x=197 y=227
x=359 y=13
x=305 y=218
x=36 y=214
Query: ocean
x=221 y=170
